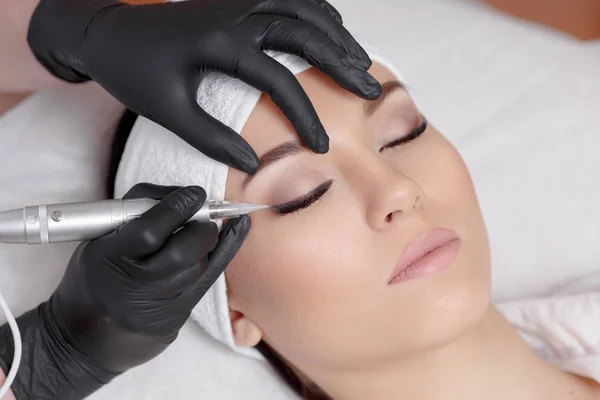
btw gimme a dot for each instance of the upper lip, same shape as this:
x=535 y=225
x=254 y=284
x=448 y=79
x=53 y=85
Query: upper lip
x=421 y=246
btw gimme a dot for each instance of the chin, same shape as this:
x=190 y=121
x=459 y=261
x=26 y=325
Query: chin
x=441 y=308
x=462 y=307
x=459 y=298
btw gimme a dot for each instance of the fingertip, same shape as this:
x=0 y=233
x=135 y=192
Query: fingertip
x=237 y=227
x=234 y=233
x=242 y=226
x=374 y=91
x=368 y=87
x=323 y=145
x=313 y=135
x=320 y=137
x=248 y=163
x=241 y=156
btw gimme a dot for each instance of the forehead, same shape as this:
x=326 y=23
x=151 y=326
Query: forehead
x=267 y=126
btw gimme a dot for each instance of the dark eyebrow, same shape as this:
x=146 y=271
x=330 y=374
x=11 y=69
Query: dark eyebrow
x=294 y=147
x=275 y=154
x=386 y=89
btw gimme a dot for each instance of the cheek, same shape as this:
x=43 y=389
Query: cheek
x=450 y=187
x=291 y=278
x=457 y=192
x=447 y=185
x=444 y=177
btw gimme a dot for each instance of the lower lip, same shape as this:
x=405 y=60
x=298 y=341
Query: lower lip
x=435 y=261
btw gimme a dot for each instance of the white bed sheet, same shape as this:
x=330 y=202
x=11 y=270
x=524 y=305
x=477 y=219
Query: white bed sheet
x=520 y=102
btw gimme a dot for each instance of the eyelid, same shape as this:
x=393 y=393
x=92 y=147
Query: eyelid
x=412 y=135
x=305 y=200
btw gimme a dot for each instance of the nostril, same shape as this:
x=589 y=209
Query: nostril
x=388 y=218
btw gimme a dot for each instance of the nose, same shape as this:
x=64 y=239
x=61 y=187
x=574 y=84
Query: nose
x=392 y=197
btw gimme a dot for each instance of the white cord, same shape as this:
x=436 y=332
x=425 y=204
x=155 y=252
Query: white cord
x=17 y=339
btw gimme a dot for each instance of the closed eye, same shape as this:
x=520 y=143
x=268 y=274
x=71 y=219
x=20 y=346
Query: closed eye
x=412 y=135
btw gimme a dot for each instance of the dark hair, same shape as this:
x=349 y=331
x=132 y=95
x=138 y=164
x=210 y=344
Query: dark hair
x=306 y=390
x=122 y=132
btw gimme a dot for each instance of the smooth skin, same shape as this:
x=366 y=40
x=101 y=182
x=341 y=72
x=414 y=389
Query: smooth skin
x=324 y=302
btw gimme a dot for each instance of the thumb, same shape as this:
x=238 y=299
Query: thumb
x=230 y=241
x=149 y=191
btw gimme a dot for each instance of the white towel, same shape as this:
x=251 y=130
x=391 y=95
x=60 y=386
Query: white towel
x=564 y=329
x=154 y=154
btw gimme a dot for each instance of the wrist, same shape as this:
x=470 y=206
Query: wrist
x=56 y=35
x=9 y=395
x=50 y=368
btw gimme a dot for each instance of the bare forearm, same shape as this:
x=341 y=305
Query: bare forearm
x=19 y=70
x=9 y=395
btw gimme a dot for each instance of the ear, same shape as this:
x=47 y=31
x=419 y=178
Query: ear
x=245 y=332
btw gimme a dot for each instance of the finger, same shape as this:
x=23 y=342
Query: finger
x=176 y=285
x=267 y=75
x=330 y=9
x=230 y=240
x=316 y=16
x=212 y=138
x=149 y=191
x=145 y=235
x=293 y=36
x=183 y=251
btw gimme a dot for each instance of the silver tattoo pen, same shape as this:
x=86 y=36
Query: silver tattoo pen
x=74 y=222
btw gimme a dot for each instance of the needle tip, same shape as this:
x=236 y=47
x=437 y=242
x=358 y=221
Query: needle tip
x=245 y=208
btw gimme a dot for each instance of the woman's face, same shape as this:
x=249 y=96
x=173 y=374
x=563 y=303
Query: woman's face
x=313 y=282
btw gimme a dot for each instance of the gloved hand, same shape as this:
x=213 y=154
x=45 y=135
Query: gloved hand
x=152 y=57
x=123 y=299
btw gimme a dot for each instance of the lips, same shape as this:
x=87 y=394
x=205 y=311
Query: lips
x=428 y=254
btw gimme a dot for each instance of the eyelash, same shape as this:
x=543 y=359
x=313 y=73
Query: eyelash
x=309 y=199
x=412 y=135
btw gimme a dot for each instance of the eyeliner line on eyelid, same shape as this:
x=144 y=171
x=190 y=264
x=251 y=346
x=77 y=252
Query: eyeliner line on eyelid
x=303 y=201
x=415 y=133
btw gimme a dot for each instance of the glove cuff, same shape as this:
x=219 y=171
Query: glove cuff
x=49 y=368
x=57 y=35
x=7 y=348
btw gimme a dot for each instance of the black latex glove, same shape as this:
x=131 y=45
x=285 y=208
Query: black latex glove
x=152 y=57
x=123 y=299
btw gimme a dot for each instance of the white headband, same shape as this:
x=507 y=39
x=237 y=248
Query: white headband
x=154 y=154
